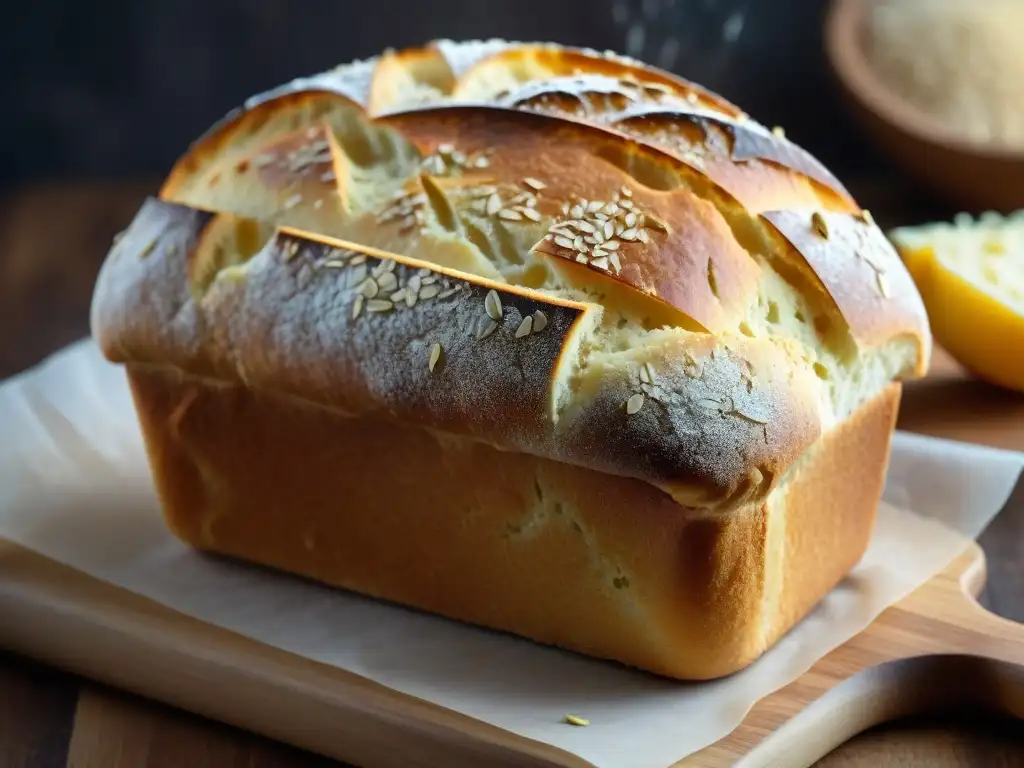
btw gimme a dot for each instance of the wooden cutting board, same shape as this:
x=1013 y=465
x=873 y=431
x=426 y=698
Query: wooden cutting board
x=934 y=649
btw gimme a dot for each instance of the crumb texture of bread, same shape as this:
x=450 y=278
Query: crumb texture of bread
x=647 y=351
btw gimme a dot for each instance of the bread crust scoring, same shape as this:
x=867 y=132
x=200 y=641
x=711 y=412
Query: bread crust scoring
x=549 y=250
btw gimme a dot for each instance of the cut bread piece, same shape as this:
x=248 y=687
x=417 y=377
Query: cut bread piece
x=971 y=275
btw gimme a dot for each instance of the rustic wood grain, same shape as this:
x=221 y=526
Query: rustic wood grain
x=936 y=650
x=37 y=707
x=117 y=729
x=965 y=741
x=52 y=240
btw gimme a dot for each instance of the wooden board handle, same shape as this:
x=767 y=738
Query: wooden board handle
x=890 y=691
x=937 y=650
x=946 y=612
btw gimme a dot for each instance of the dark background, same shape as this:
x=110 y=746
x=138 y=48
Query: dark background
x=117 y=89
x=99 y=98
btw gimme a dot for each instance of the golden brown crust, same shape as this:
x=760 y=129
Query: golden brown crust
x=825 y=529
x=354 y=329
x=152 y=265
x=733 y=163
x=245 y=131
x=408 y=76
x=727 y=420
x=721 y=145
x=863 y=274
x=303 y=175
x=746 y=160
x=693 y=239
x=512 y=319
x=461 y=55
x=519 y=63
x=604 y=565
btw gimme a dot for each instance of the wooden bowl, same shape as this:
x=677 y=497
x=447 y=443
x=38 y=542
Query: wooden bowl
x=973 y=177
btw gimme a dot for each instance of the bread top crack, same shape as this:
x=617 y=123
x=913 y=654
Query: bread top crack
x=550 y=250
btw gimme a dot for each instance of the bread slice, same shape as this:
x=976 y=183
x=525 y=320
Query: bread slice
x=536 y=338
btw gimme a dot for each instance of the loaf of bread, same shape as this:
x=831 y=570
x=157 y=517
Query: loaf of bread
x=535 y=338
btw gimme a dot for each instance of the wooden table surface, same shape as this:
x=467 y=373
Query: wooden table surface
x=52 y=240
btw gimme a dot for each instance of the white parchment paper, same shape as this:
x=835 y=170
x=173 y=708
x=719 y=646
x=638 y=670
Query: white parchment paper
x=74 y=486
